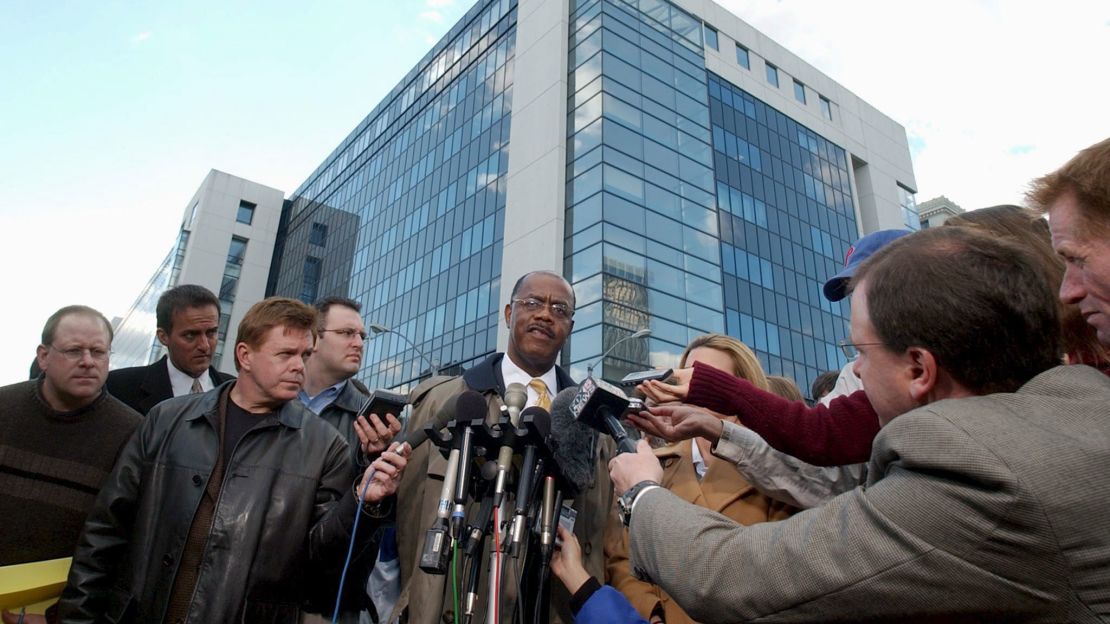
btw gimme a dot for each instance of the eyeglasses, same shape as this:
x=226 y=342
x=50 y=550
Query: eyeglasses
x=532 y=305
x=75 y=354
x=347 y=333
x=851 y=349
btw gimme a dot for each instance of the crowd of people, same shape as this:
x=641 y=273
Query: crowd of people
x=954 y=470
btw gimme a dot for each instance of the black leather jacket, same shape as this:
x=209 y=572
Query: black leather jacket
x=279 y=534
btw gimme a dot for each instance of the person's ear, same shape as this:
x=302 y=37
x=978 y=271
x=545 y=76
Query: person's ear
x=163 y=337
x=923 y=372
x=243 y=356
x=509 y=315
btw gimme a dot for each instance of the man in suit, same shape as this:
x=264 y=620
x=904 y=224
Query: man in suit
x=188 y=319
x=987 y=496
x=540 y=317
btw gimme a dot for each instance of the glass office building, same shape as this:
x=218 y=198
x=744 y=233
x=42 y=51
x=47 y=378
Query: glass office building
x=667 y=179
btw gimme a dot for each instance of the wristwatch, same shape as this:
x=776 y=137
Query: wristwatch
x=628 y=499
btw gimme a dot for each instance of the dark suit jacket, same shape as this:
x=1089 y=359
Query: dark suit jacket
x=992 y=508
x=143 y=387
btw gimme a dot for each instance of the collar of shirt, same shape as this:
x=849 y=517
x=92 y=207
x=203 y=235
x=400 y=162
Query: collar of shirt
x=511 y=373
x=700 y=467
x=182 y=383
x=326 y=397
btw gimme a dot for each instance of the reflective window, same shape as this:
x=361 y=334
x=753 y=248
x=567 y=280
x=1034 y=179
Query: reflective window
x=310 y=282
x=772 y=74
x=909 y=208
x=799 y=92
x=826 y=107
x=710 y=37
x=743 y=57
x=318 y=235
x=246 y=212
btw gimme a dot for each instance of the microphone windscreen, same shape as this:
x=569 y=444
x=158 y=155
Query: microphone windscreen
x=572 y=443
x=541 y=420
x=447 y=412
x=516 y=396
x=470 y=406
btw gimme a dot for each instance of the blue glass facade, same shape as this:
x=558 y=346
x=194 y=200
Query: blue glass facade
x=786 y=219
x=692 y=206
x=413 y=205
x=642 y=236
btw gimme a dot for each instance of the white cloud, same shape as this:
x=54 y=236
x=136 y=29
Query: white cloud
x=141 y=37
x=439 y=3
x=991 y=94
x=431 y=16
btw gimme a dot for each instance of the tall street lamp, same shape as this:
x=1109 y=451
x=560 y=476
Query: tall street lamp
x=378 y=328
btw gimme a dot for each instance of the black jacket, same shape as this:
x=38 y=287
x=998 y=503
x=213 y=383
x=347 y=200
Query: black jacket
x=279 y=534
x=143 y=387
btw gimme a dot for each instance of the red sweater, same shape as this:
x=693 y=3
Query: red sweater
x=825 y=436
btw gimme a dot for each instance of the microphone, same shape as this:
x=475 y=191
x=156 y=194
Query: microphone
x=416 y=437
x=535 y=427
x=515 y=398
x=572 y=445
x=471 y=409
x=547 y=521
x=436 y=552
x=597 y=404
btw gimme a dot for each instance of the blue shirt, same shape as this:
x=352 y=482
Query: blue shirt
x=321 y=401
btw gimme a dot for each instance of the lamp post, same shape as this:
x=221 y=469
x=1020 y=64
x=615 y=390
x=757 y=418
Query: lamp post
x=639 y=334
x=378 y=328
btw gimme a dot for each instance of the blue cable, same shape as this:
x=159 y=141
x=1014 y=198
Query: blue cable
x=351 y=547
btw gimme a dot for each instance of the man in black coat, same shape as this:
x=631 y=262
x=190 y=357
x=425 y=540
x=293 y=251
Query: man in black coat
x=236 y=505
x=188 y=325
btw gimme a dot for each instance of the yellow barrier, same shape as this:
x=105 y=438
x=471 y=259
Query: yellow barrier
x=25 y=584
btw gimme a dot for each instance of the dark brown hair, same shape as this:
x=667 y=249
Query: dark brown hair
x=323 y=305
x=180 y=298
x=979 y=304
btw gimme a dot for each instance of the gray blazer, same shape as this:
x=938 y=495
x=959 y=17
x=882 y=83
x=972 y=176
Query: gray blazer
x=994 y=507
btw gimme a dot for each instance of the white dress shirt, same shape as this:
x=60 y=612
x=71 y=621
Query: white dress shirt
x=182 y=382
x=512 y=373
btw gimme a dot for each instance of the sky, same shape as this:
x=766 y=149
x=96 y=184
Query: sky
x=112 y=113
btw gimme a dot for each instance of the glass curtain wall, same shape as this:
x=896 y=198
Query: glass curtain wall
x=423 y=181
x=786 y=219
x=692 y=206
x=641 y=239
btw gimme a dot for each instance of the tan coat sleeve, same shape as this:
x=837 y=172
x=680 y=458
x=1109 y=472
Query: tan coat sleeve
x=618 y=571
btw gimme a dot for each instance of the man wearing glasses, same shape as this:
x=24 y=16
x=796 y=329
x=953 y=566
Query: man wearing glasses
x=331 y=392
x=59 y=437
x=539 y=316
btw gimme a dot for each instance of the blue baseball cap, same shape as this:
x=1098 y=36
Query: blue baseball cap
x=837 y=287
